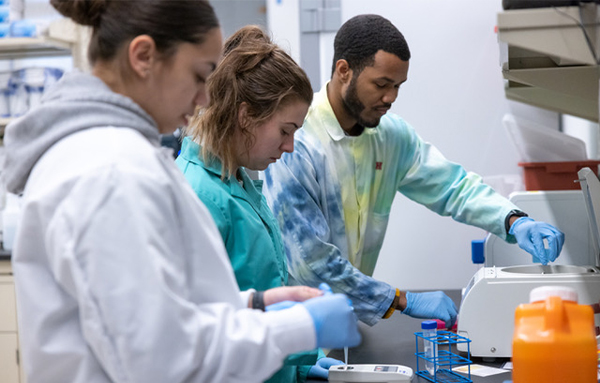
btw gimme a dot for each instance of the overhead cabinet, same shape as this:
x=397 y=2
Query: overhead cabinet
x=549 y=57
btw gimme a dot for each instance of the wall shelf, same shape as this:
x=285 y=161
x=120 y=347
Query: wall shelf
x=64 y=38
x=28 y=47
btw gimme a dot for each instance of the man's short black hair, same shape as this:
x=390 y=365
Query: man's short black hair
x=362 y=36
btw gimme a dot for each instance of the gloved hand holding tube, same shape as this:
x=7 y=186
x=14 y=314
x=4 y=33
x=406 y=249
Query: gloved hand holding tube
x=431 y=305
x=334 y=319
x=321 y=369
x=530 y=236
x=336 y=325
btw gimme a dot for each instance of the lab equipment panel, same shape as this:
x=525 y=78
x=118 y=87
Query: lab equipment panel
x=370 y=373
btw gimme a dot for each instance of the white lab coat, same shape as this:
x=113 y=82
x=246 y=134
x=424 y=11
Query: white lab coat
x=121 y=275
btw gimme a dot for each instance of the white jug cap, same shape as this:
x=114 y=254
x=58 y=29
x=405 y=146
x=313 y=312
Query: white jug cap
x=543 y=292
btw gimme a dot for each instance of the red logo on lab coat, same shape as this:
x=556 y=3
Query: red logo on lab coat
x=378 y=165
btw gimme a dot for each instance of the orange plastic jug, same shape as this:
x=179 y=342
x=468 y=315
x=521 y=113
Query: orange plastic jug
x=554 y=339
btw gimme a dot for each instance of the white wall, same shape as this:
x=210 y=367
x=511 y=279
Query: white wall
x=283 y=20
x=454 y=97
x=234 y=14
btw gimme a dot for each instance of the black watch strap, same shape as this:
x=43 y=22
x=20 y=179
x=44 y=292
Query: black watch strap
x=513 y=213
x=258 y=302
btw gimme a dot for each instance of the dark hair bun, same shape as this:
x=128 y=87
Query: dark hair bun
x=84 y=12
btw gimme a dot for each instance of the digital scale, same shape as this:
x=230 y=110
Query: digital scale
x=373 y=373
x=487 y=310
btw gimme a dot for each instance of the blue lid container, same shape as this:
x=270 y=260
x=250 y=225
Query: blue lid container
x=22 y=28
x=429 y=325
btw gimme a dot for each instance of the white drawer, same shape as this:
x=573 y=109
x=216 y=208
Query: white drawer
x=9 y=366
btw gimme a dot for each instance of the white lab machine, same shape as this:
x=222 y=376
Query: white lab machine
x=380 y=373
x=489 y=301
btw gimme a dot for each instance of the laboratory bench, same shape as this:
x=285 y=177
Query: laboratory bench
x=392 y=341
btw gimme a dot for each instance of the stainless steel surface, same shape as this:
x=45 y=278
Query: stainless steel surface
x=550 y=269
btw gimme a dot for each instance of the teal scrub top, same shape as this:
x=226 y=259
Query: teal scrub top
x=250 y=233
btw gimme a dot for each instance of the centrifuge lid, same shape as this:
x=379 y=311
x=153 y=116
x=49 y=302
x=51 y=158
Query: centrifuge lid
x=590 y=185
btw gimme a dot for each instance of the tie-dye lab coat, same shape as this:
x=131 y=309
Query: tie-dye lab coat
x=332 y=197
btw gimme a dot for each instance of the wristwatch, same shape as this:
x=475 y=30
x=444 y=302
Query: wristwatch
x=258 y=301
x=392 y=308
x=513 y=213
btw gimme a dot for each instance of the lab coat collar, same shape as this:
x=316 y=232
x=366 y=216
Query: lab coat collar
x=191 y=151
x=328 y=120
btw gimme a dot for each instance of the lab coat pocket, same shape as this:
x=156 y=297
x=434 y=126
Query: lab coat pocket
x=373 y=240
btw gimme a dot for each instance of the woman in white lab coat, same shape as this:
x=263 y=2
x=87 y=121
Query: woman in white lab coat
x=121 y=274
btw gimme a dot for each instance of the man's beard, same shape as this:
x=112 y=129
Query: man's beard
x=354 y=107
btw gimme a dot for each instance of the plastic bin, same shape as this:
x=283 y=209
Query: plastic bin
x=555 y=175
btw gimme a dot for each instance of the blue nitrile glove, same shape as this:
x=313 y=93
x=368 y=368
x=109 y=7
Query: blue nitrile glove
x=325 y=288
x=530 y=236
x=281 y=305
x=431 y=305
x=335 y=323
x=321 y=369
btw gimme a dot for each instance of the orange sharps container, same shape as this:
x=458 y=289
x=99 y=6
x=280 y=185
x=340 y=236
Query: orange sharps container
x=554 y=339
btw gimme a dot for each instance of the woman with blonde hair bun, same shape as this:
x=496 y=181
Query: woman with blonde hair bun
x=258 y=98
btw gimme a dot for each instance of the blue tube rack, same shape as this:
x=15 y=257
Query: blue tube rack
x=446 y=360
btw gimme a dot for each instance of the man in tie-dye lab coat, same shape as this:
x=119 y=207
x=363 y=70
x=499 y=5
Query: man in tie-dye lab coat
x=332 y=196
